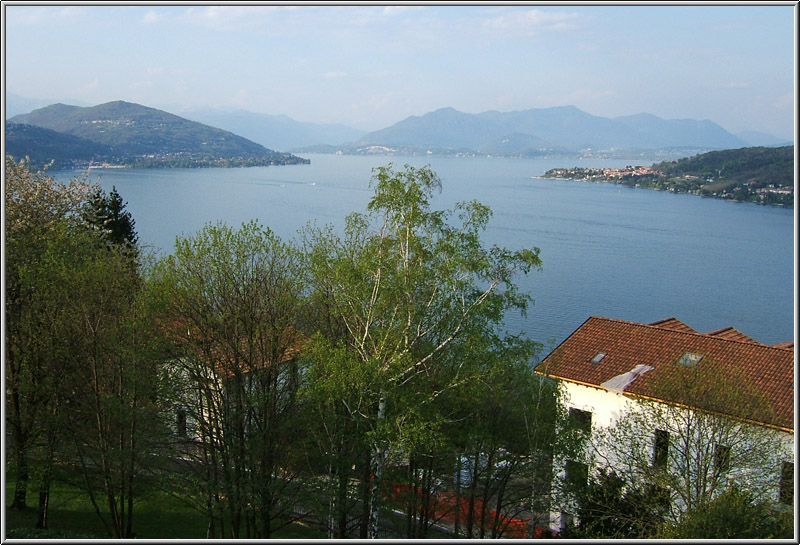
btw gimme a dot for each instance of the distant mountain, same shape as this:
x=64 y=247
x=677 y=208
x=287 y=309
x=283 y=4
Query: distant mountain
x=755 y=138
x=561 y=130
x=662 y=133
x=277 y=132
x=132 y=134
x=18 y=104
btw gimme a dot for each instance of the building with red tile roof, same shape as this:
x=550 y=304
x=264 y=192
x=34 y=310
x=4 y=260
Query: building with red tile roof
x=660 y=345
x=607 y=368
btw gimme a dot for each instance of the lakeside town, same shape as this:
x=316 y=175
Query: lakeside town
x=738 y=179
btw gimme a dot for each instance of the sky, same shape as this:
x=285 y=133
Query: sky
x=371 y=66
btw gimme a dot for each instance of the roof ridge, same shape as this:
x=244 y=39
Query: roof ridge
x=694 y=333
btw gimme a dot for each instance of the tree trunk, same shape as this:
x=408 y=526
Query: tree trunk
x=376 y=463
x=457 y=523
x=44 y=498
x=341 y=504
x=21 y=485
x=496 y=530
x=363 y=529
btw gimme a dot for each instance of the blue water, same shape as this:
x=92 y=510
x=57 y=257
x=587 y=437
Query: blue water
x=607 y=250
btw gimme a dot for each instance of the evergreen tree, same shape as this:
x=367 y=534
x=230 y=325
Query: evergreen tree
x=107 y=213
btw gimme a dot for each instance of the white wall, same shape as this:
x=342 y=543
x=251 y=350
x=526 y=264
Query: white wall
x=607 y=408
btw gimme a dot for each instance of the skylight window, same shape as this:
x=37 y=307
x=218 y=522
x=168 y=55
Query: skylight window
x=599 y=357
x=690 y=359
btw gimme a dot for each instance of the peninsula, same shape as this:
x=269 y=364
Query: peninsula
x=759 y=174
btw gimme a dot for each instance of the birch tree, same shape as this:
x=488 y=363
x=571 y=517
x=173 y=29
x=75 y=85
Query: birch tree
x=406 y=281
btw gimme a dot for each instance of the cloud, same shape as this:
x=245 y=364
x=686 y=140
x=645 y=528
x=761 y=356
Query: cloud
x=27 y=15
x=334 y=75
x=531 y=22
x=230 y=18
x=399 y=10
x=153 y=17
x=91 y=86
x=736 y=85
x=241 y=98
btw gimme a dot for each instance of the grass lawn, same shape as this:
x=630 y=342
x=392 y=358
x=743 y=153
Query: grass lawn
x=157 y=517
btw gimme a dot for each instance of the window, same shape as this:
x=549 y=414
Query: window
x=581 y=420
x=180 y=421
x=576 y=475
x=722 y=459
x=787 y=483
x=660 y=449
x=599 y=357
x=567 y=521
x=690 y=359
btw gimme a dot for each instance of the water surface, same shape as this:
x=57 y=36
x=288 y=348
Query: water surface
x=607 y=250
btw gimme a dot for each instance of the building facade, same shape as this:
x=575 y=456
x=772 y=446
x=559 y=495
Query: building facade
x=665 y=405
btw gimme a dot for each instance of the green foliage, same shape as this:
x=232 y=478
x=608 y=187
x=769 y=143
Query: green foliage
x=232 y=298
x=762 y=164
x=81 y=373
x=735 y=514
x=406 y=291
x=299 y=375
x=107 y=214
x=609 y=508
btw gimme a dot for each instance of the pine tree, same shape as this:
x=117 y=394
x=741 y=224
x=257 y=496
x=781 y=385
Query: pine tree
x=107 y=213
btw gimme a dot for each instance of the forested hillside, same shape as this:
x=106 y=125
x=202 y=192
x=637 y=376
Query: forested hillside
x=760 y=174
x=133 y=135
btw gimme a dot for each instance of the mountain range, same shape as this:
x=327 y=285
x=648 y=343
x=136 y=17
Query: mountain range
x=126 y=132
x=550 y=131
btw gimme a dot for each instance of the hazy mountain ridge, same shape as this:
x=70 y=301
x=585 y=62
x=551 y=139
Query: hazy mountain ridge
x=278 y=132
x=564 y=129
x=128 y=133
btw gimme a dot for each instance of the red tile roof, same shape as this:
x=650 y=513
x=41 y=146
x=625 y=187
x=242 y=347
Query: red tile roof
x=730 y=333
x=659 y=345
x=672 y=323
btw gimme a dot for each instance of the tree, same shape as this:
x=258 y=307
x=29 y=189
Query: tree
x=112 y=401
x=405 y=281
x=337 y=400
x=693 y=447
x=231 y=304
x=80 y=380
x=734 y=514
x=41 y=222
x=608 y=509
x=107 y=214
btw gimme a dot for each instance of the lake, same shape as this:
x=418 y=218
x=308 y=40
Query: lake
x=607 y=250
